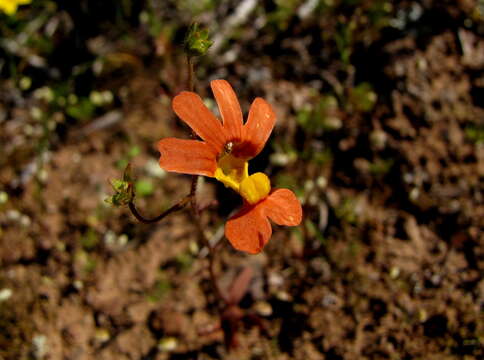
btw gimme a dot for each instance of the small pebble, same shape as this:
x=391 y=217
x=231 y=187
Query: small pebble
x=167 y=344
x=40 y=348
x=263 y=308
x=394 y=272
x=5 y=294
x=102 y=335
x=3 y=197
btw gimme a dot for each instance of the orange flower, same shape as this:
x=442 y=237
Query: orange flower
x=223 y=153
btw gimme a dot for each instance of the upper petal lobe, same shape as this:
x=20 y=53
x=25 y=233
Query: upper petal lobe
x=229 y=109
x=191 y=109
x=257 y=129
x=187 y=156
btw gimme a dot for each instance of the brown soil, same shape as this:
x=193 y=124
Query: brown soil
x=388 y=265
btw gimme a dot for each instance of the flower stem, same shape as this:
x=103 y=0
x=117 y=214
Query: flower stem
x=211 y=257
x=178 y=206
x=191 y=87
x=192 y=199
x=193 y=203
x=191 y=84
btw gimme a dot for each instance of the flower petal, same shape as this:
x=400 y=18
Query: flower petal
x=187 y=156
x=257 y=129
x=191 y=109
x=229 y=109
x=248 y=230
x=282 y=207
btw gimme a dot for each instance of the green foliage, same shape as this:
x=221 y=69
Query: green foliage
x=343 y=38
x=346 y=211
x=314 y=232
x=381 y=166
x=90 y=239
x=362 y=97
x=284 y=11
x=286 y=181
x=197 y=7
x=322 y=157
x=379 y=13
x=160 y=289
x=475 y=133
x=132 y=152
x=283 y=155
x=82 y=110
x=157 y=28
x=360 y=22
x=84 y=261
x=184 y=261
x=354 y=247
x=144 y=187
x=322 y=117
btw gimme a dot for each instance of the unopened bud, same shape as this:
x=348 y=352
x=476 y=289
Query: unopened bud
x=197 y=41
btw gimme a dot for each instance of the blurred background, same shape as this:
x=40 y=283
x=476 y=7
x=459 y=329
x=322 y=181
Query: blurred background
x=380 y=133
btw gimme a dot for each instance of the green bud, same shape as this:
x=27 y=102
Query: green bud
x=124 y=193
x=197 y=41
x=119 y=185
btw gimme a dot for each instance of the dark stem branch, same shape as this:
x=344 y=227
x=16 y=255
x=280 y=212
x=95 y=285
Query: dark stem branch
x=178 y=206
x=191 y=85
x=193 y=203
x=190 y=198
x=211 y=257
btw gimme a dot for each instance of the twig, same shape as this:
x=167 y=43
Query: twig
x=193 y=203
x=191 y=85
x=211 y=257
x=178 y=206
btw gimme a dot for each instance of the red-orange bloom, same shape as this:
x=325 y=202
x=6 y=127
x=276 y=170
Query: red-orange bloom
x=223 y=154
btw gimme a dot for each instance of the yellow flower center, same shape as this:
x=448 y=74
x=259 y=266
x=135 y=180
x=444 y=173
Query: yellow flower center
x=10 y=6
x=255 y=188
x=233 y=172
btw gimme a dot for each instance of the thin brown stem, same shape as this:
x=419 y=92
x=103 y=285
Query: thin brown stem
x=213 y=278
x=178 y=206
x=191 y=197
x=193 y=192
x=191 y=85
x=211 y=258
